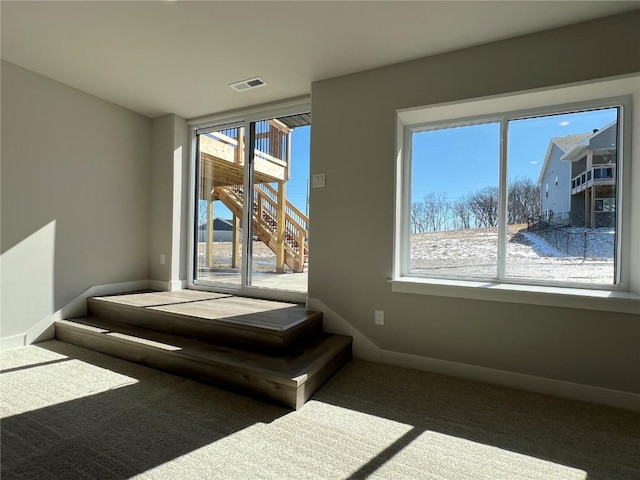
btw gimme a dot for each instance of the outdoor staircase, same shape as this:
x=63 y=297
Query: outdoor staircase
x=265 y=222
x=273 y=350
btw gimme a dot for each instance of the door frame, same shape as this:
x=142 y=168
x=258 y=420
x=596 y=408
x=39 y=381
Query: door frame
x=242 y=117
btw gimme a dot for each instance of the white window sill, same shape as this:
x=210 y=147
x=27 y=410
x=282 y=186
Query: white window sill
x=583 y=298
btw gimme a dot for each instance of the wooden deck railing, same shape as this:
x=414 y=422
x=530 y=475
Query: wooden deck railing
x=265 y=214
x=271 y=145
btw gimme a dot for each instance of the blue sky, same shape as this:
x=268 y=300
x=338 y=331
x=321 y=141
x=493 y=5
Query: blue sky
x=297 y=186
x=462 y=160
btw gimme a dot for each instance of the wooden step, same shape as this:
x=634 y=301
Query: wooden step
x=216 y=317
x=289 y=379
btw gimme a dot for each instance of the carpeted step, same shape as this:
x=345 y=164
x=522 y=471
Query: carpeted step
x=289 y=378
x=213 y=317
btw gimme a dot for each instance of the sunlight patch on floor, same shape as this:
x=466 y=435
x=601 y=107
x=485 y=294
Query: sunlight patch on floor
x=320 y=441
x=34 y=378
x=325 y=441
x=454 y=457
x=233 y=456
x=18 y=357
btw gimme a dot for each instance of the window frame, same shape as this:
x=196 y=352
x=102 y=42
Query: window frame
x=213 y=122
x=560 y=99
x=610 y=201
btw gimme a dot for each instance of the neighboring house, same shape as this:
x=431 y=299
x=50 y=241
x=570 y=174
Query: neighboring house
x=593 y=178
x=222 y=231
x=555 y=187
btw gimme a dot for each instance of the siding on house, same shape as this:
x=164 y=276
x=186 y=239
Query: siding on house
x=598 y=150
x=555 y=177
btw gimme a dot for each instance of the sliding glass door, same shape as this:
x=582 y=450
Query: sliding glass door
x=251 y=226
x=220 y=175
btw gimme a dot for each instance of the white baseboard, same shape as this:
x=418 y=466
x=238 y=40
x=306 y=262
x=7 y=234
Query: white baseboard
x=44 y=329
x=178 y=285
x=15 y=341
x=170 y=286
x=365 y=349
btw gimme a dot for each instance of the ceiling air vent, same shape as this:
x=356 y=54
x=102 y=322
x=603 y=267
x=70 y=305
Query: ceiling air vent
x=248 y=84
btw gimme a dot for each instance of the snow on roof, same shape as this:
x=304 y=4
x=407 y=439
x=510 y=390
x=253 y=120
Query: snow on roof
x=570 y=141
x=563 y=143
x=576 y=151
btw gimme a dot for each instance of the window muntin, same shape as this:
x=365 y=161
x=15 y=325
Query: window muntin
x=438 y=253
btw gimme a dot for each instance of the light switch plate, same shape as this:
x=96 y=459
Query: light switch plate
x=318 y=180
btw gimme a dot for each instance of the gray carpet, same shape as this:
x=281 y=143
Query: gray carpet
x=70 y=413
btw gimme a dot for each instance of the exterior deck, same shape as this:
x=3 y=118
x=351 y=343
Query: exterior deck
x=223 y=163
x=594 y=177
x=276 y=221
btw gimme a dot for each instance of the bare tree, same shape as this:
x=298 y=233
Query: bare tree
x=523 y=200
x=418 y=218
x=484 y=205
x=475 y=210
x=461 y=213
x=437 y=211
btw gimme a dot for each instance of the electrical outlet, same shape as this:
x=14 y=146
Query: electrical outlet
x=378 y=317
x=163 y=259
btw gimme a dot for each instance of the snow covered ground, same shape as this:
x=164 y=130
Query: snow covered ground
x=474 y=253
x=575 y=242
x=264 y=260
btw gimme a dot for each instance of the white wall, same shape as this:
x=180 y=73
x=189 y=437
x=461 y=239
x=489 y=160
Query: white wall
x=353 y=142
x=161 y=198
x=168 y=206
x=75 y=188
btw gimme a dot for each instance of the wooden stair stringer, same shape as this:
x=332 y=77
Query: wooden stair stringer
x=235 y=203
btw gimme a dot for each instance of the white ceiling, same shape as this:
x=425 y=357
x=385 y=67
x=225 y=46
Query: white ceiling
x=179 y=56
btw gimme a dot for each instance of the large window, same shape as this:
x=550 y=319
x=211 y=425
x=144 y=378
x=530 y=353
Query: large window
x=528 y=196
x=457 y=225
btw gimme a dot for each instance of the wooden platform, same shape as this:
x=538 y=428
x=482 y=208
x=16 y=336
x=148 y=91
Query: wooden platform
x=214 y=317
x=270 y=349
